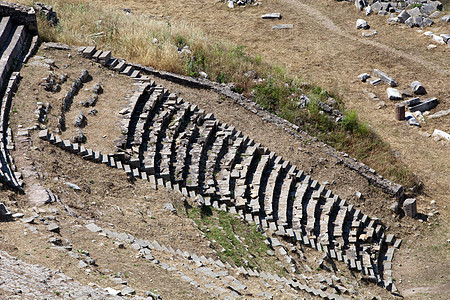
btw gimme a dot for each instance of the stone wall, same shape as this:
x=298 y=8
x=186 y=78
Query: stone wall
x=20 y=14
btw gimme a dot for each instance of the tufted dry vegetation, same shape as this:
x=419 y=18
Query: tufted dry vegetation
x=158 y=42
x=147 y=40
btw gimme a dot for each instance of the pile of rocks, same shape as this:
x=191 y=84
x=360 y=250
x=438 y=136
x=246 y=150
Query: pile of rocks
x=443 y=38
x=96 y=90
x=409 y=12
x=52 y=83
x=47 y=11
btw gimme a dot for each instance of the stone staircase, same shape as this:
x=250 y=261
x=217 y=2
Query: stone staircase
x=174 y=144
x=18 y=39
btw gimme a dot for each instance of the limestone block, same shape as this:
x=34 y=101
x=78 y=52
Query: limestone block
x=418 y=88
x=410 y=207
x=393 y=94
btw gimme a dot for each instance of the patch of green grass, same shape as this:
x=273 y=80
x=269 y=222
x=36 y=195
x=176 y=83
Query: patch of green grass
x=281 y=96
x=242 y=244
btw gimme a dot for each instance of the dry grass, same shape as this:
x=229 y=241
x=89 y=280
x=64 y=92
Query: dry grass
x=146 y=40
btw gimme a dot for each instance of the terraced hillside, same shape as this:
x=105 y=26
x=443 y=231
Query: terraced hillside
x=180 y=146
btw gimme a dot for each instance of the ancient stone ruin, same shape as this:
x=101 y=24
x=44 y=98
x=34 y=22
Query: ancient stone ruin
x=174 y=144
x=18 y=40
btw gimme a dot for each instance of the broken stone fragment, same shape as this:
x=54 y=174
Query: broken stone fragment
x=73 y=186
x=271 y=16
x=363 y=77
x=368 y=33
x=412 y=121
x=427 y=104
x=362 y=24
x=389 y=80
x=81 y=120
x=4 y=212
x=283 y=26
x=418 y=88
x=393 y=94
x=441 y=134
x=403 y=16
x=53 y=227
x=97 y=89
x=410 y=207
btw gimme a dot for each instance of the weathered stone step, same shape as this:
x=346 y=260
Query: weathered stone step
x=258 y=182
x=283 y=211
x=214 y=155
x=11 y=52
x=184 y=143
x=242 y=172
x=140 y=95
x=151 y=154
x=198 y=149
x=136 y=123
x=276 y=173
x=223 y=178
x=168 y=141
x=5 y=32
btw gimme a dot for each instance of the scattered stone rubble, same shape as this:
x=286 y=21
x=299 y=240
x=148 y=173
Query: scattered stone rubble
x=21 y=280
x=76 y=86
x=409 y=12
x=415 y=105
x=48 y=12
x=80 y=120
x=443 y=38
x=223 y=278
x=96 y=91
x=52 y=83
x=362 y=24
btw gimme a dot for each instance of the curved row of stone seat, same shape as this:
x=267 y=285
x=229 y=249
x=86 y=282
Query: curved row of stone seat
x=104 y=57
x=8 y=176
x=114 y=161
x=215 y=269
x=316 y=209
x=269 y=191
x=274 y=185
